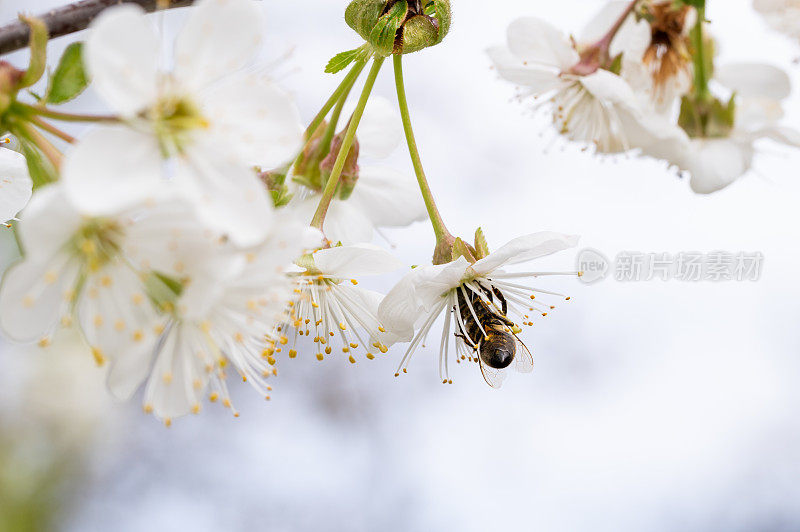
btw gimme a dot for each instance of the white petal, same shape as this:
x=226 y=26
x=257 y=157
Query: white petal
x=539 y=78
x=15 y=184
x=355 y=261
x=219 y=38
x=523 y=249
x=715 y=164
x=228 y=196
x=254 y=120
x=47 y=223
x=416 y=294
x=380 y=130
x=112 y=168
x=609 y=87
x=782 y=134
x=122 y=57
x=755 y=80
x=535 y=40
x=178 y=378
x=34 y=295
x=388 y=198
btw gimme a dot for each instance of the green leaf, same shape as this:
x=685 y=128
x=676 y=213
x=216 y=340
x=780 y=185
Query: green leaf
x=341 y=61
x=38 y=49
x=481 y=246
x=70 y=78
x=384 y=33
x=40 y=168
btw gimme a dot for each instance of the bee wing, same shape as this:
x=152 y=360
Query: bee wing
x=524 y=363
x=493 y=377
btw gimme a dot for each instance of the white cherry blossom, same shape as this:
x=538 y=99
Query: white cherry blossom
x=457 y=289
x=382 y=197
x=329 y=303
x=201 y=125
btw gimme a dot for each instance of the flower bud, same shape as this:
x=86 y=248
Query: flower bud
x=349 y=177
x=400 y=26
x=9 y=84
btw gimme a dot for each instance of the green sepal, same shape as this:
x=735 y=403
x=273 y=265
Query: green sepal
x=70 y=78
x=481 y=246
x=40 y=168
x=306 y=262
x=38 y=50
x=383 y=34
x=341 y=61
x=462 y=249
x=162 y=290
x=699 y=4
x=616 y=65
x=707 y=119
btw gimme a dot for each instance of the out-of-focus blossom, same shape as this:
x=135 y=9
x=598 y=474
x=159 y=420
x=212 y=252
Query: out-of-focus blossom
x=715 y=162
x=15 y=184
x=202 y=125
x=782 y=15
x=329 y=302
x=376 y=196
x=484 y=306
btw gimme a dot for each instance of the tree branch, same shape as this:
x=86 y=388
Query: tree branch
x=72 y=18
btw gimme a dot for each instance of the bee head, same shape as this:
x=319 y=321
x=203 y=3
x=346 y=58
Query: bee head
x=498 y=349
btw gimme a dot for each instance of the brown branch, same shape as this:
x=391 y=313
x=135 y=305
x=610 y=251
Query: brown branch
x=72 y=18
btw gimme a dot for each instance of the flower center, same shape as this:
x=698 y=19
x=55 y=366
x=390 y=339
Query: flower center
x=175 y=120
x=97 y=242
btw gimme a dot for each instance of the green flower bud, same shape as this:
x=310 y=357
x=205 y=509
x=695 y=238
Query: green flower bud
x=400 y=26
x=350 y=172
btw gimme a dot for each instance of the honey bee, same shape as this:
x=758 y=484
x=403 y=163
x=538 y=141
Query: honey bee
x=485 y=328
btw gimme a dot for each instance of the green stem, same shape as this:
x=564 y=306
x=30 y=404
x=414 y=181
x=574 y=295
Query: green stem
x=345 y=86
x=442 y=234
x=50 y=128
x=46 y=147
x=330 y=131
x=701 y=91
x=350 y=135
x=66 y=117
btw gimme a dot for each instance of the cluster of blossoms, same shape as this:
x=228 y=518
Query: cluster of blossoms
x=199 y=231
x=641 y=78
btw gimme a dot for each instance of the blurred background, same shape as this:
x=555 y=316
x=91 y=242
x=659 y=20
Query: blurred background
x=653 y=406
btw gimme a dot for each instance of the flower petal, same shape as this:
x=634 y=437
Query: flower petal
x=122 y=57
x=228 y=196
x=535 y=40
x=355 y=261
x=388 y=198
x=255 y=121
x=755 y=80
x=380 y=130
x=219 y=38
x=112 y=168
x=715 y=164
x=539 y=78
x=15 y=184
x=35 y=294
x=523 y=249
x=47 y=223
x=417 y=294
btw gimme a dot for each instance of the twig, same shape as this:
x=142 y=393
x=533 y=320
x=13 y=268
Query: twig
x=72 y=18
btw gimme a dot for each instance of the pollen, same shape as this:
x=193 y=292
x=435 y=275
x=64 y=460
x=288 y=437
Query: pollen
x=354 y=281
x=320 y=356
x=271 y=361
x=342 y=326
x=370 y=356
x=353 y=345
x=328 y=350
x=352 y=360
x=99 y=358
x=292 y=353
x=381 y=329
x=284 y=340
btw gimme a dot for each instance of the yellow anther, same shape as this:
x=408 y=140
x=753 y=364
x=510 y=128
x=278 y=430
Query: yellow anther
x=345 y=349
x=292 y=353
x=168 y=422
x=195 y=408
x=44 y=342
x=137 y=299
x=354 y=281
x=352 y=360
x=50 y=277
x=197 y=384
x=381 y=329
x=105 y=281
x=271 y=361
x=370 y=356
x=138 y=336
x=533 y=296
x=354 y=346
x=238 y=337
x=283 y=340
x=119 y=325
x=98 y=356
x=148 y=409
x=328 y=350
x=167 y=378
x=158 y=329
x=222 y=362
x=226 y=403
x=320 y=356
x=213 y=397
x=28 y=301
x=66 y=321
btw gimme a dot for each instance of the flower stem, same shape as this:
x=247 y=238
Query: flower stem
x=46 y=126
x=439 y=229
x=597 y=55
x=67 y=117
x=46 y=147
x=701 y=91
x=344 y=87
x=347 y=143
x=330 y=131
